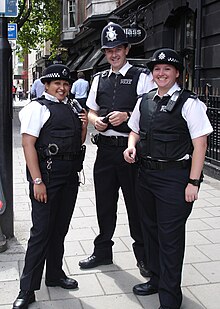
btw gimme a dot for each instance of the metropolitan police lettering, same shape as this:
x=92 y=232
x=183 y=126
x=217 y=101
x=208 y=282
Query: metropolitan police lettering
x=126 y=81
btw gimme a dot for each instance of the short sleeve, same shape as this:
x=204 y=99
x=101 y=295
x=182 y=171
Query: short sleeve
x=91 y=101
x=32 y=118
x=194 y=112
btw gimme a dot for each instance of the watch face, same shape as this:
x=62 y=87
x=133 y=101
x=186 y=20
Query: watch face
x=37 y=181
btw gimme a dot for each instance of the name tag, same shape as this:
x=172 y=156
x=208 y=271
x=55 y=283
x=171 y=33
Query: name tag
x=126 y=81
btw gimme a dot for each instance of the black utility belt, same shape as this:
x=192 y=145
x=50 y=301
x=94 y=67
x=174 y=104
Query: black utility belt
x=119 y=141
x=163 y=165
x=67 y=156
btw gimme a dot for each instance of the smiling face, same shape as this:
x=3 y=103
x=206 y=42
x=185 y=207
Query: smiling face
x=165 y=76
x=58 y=88
x=116 y=57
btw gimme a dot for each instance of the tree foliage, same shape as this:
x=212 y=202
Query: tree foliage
x=38 y=21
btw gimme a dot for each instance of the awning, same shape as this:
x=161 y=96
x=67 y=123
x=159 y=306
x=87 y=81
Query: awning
x=70 y=60
x=80 y=59
x=92 y=60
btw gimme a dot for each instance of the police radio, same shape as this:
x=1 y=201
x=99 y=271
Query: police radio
x=77 y=108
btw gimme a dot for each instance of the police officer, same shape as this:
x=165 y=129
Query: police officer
x=111 y=101
x=52 y=135
x=169 y=130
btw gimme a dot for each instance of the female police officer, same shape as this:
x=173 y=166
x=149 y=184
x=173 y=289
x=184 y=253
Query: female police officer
x=52 y=135
x=170 y=128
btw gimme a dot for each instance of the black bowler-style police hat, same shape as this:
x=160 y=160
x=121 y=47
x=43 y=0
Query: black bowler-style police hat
x=166 y=56
x=112 y=36
x=56 y=72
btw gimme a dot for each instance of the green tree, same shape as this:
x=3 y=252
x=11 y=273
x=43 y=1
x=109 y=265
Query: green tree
x=38 y=21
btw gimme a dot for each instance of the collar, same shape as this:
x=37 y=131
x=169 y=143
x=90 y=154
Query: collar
x=174 y=88
x=123 y=70
x=53 y=99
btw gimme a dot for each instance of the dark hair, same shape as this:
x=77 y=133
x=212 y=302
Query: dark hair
x=80 y=75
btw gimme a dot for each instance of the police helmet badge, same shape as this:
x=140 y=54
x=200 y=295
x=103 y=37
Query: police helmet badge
x=64 y=72
x=111 y=34
x=162 y=56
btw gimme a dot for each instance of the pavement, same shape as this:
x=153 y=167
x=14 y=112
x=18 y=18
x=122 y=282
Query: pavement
x=110 y=286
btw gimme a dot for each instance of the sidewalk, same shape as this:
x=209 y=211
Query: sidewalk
x=110 y=287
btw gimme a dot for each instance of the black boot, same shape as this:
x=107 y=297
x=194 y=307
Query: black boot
x=24 y=299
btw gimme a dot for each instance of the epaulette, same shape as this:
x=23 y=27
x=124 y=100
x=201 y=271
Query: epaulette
x=150 y=94
x=144 y=70
x=39 y=99
x=102 y=73
x=192 y=95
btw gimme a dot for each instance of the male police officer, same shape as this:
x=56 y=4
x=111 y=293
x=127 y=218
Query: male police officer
x=111 y=100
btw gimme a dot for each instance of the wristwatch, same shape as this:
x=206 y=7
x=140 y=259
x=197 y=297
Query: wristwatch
x=194 y=182
x=37 y=181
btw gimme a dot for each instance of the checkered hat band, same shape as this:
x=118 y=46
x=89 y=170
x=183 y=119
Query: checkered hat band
x=52 y=75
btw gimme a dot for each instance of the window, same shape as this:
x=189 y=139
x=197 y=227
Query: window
x=71 y=13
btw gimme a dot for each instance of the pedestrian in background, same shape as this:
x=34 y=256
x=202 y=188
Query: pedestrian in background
x=111 y=101
x=52 y=135
x=20 y=92
x=80 y=89
x=14 y=90
x=169 y=133
x=37 y=89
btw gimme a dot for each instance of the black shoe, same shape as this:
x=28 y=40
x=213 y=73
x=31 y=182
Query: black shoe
x=143 y=270
x=65 y=283
x=144 y=289
x=24 y=299
x=92 y=261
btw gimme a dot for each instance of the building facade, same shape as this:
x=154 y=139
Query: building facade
x=191 y=27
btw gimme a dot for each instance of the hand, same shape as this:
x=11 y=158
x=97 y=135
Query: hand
x=116 y=118
x=40 y=193
x=100 y=125
x=130 y=154
x=191 y=193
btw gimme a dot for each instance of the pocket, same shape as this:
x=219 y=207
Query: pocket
x=63 y=139
x=164 y=145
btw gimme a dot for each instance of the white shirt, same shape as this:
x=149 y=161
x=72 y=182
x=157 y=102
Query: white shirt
x=193 y=111
x=37 y=88
x=80 y=88
x=145 y=84
x=34 y=115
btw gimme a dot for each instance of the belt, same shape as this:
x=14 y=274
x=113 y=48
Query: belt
x=113 y=140
x=163 y=165
x=66 y=156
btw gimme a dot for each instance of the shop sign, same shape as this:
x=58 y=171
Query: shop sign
x=135 y=35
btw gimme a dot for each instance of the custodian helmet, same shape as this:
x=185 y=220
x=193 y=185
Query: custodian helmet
x=55 y=72
x=166 y=56
x=113 y=35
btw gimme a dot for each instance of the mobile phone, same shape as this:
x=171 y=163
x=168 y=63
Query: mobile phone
x=106 y=119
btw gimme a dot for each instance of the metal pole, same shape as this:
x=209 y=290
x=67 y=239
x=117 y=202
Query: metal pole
x=6 y=219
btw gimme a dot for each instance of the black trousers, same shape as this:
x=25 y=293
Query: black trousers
x=50 y=225
x=164 y=212
x=112 y=172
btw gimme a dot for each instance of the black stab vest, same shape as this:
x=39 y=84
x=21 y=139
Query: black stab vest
x=118 y=93
x=163 y=135
x=63 y=128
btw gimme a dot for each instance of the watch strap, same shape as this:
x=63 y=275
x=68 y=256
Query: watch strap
x=194 y=182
